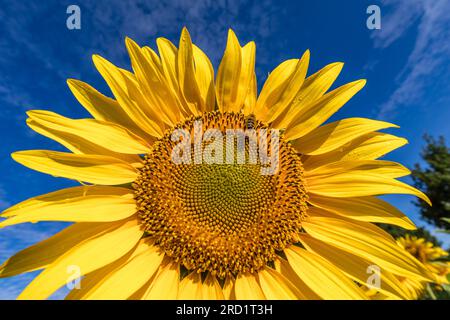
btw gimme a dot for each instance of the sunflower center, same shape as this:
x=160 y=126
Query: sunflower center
x=223 y=197
x=214 y=206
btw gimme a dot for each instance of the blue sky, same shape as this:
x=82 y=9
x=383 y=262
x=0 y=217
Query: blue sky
x=406 y=64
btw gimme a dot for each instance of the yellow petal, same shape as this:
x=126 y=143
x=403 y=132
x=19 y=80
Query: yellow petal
x=204 y=74
x=87 y=256
x=247 y=287
x=86 y=203
x=98 y=132
x=250 y=99
x=276 y=287
x=318 y=212
x=228 y=288
x=103 y=108
x=79 y=145
x=360 y=184
x=321 y=276
x=90 y=280
x=139 y=294
x=127 y=278
x=336 y=134
x=246 y=77
x=275 y=85
x=186 y=75
x=280 y=101
x=165 y=286
x=43 y=253
x=228 y=74
x=356 y=268
x=365 y=243
x=369 y=209
x=368 y=147
x=82 y=167
x=211 y=289
x=282 y=266
x=135 y=94
x=152 y=56
x=153 y=85
x=374 y=167
x=191 y=287
x=168 y=53
x=317 y=113
x=312 y=89
x=121 y=85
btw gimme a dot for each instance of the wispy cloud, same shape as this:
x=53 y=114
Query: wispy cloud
x=15 y=238
x=430 y=51
x=207 y=21
x=397 y=21
x=11 y=288
x=4 y=203
x=35 y=34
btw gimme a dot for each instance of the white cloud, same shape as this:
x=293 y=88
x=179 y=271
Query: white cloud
x=4 y=203
x=207 y=21
x=10 y=288
x=18 y=237
x=429 y=54
x=397 y=21
x=37 y=32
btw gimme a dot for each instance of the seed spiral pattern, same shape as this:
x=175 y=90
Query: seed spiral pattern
x=224 y=218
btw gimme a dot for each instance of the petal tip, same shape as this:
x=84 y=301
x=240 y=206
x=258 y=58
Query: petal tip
x=97 y=59
x=185 y=33
x=17 y=156
x=130 y=43
x=30 y=113
x=361 y=82
x=425 y=198
x=232 y=36
x=337 y=65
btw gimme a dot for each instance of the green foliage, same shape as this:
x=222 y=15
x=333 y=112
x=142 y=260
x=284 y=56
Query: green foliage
x=434 y=180
x=447 y=229
x=436 y=292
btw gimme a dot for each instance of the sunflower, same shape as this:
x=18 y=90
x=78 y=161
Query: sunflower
x=431 y=256
x=147 y=227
